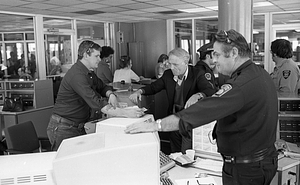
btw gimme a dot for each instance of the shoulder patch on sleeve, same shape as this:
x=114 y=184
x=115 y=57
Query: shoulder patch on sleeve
x=286 y=73
x=208 y=76
x=224 y=89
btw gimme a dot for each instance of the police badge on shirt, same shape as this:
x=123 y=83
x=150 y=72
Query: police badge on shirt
x=208 y=76
x=286 y=73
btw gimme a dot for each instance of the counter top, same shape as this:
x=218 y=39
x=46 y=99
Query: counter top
x=26 y=111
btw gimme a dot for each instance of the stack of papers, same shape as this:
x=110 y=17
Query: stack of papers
x=209 y=164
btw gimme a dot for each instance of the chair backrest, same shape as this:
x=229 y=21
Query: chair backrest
x=22 y=138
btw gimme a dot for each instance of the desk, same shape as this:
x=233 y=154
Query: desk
x=179 y=172
x=287 y=173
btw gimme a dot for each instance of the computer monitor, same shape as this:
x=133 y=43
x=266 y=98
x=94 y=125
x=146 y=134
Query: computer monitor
x=110 y=157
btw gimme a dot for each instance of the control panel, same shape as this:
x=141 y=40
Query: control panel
x=289 y=118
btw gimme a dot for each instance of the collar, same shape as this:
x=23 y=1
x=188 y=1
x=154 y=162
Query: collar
x=176 y=79
x=102 y=62
x=241 y=67
x=280 y=63
x=82 y=67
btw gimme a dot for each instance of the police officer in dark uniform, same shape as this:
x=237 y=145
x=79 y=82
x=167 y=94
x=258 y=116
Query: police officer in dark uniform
x=206 y=64
x=246 y=110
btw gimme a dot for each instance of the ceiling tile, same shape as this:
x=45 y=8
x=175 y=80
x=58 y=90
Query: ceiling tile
x=116 y=2
x=132 y=12
x=137 y=6
x=63 y=2
x=90 y=1
x=146 y=0
x=183 y=6
x=266 y=9
x=90 y=6
x=166 y=2
x=40 y=6
x=67 y=9
x=205 y=4
x=19 y=9
x=35 y=1
x=157 y=9
x=114 y=9
x=13 y=2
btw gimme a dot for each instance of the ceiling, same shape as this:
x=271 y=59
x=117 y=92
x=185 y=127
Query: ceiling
x=131 y=11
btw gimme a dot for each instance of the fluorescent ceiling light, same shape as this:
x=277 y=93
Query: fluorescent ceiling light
x=195 y=10
x=297 y=30
x=261 y=4
x=213 y=7
x=296 y=20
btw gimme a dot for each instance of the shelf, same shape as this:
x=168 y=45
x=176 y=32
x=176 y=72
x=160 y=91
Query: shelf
x=38 y=93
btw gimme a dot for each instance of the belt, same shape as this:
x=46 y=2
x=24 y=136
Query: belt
x=67 y=122
x=256 y=157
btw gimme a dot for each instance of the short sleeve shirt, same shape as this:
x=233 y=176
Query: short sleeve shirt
x=286 y=76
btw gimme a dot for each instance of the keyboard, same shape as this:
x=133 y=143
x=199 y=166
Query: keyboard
x=166 y=162
x=165 y=181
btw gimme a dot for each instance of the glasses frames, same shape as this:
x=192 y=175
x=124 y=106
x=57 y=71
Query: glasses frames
x=222 y=36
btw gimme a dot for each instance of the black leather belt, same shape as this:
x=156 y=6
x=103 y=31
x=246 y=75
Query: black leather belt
x=258 y=156
x=67 y=122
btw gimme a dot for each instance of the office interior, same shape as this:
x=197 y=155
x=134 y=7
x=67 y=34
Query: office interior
x=143 y=29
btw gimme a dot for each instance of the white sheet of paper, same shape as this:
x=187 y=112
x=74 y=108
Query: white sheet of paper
x=204 y=181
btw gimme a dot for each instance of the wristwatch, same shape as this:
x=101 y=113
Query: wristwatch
x=159 y=124
x=111 y=94
x=200 y=96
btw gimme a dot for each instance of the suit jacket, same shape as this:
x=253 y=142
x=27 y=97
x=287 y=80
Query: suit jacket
x=195 y=82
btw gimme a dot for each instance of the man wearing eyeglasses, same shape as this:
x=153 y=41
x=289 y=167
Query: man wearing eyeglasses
x=247 y=112
x=286 y=74
x=184 y=86
x=80 y=92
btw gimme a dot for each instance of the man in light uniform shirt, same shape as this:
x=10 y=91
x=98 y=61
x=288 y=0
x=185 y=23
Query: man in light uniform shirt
x=286 y=73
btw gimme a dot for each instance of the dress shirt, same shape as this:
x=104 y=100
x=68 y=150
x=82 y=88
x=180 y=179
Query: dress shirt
x=79 y=91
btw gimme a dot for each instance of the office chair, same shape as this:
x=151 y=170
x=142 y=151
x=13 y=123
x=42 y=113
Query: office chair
x=22 y=138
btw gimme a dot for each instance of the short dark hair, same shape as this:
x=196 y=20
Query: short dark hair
x=203 y=54
x=87 y=46
x=106 y=51
x=206 y=49
x=232 y=38
x=124 y=61
x=282 y=48
x=162 y=57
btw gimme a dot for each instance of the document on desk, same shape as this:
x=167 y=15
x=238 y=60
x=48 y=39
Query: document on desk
x=209 y=165
x=196 y=181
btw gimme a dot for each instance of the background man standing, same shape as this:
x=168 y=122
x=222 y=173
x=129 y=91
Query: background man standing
x=206 y=64
x=286 y=73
